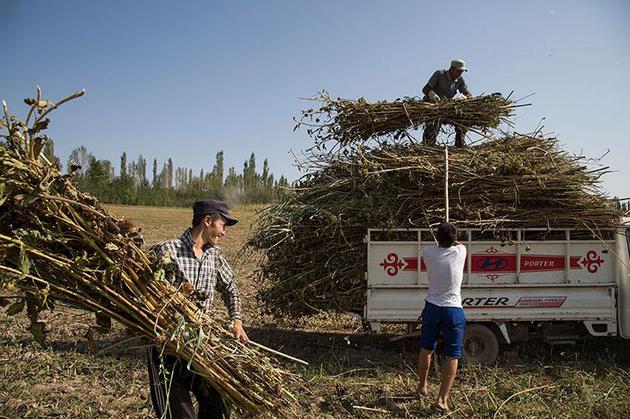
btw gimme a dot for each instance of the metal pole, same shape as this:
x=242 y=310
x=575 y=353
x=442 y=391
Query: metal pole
x=446 y=181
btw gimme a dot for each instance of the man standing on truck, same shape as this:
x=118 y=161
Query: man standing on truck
x=444 y=85
x=200 y=266
x=443 y=311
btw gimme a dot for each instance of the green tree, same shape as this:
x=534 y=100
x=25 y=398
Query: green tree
x=97 y=176
x=218 y=167
x=142 y=171
x=169 y=174
x=123 y=164
x=79 y=157
x=175 y=187
x=155 y=177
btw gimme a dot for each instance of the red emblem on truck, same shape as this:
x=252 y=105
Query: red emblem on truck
x=592 y=261
x=392 y=264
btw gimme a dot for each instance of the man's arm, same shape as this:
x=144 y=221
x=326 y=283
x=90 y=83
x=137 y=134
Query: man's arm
x=431 y=83
x=463 y=89
x=230 y=295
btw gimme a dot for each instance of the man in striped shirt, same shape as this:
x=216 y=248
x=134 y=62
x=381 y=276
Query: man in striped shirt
x=199 y=264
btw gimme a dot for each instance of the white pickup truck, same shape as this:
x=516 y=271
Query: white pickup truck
x=561 y=284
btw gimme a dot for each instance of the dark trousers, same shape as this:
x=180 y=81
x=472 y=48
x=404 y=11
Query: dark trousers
x=171 y=395
x=431 y=131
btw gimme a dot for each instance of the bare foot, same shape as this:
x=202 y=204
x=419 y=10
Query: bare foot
x=442 y=407
x=423 y=390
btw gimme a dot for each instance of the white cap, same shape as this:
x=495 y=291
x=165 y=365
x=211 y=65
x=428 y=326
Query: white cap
x=459 y=64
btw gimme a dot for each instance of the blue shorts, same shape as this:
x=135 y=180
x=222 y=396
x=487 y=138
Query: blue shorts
x=448 y=320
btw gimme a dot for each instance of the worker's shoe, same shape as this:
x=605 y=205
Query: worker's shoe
x=92 y=335
x=104 y=323
x=40 y=330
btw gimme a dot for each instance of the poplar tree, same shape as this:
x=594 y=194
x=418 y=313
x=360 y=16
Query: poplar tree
x=169 y=174
x=123 y=164
x=155 y=177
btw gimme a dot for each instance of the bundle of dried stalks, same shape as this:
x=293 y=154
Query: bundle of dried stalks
x=344 y=122
x=315 y=255
x=62 y=244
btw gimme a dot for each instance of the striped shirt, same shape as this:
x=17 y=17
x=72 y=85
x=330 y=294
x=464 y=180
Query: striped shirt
x=206 y=273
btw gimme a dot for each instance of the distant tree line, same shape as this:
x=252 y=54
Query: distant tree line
x=169 y=185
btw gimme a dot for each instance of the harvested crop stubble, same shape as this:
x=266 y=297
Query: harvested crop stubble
x=315 y=255
x=61 y=244
x=344 y=121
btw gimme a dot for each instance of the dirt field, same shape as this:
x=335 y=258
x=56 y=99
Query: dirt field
x=351 y=374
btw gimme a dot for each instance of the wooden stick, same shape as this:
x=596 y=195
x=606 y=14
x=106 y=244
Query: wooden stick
x=273 y=351
x=446 y=181
x=370 y=409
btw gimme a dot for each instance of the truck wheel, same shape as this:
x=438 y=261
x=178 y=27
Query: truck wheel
x=481 y=345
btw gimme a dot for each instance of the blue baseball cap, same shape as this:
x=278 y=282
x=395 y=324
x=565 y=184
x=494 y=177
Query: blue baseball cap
x=213 y=206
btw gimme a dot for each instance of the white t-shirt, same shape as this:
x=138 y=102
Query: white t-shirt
x=445 y=270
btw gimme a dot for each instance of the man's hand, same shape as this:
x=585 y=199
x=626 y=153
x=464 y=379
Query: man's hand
x=433 y=96
x=239 y=333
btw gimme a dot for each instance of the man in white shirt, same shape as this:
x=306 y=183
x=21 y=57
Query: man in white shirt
x=443 y=310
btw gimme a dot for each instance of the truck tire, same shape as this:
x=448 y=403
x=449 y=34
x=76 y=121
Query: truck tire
x=480 y=346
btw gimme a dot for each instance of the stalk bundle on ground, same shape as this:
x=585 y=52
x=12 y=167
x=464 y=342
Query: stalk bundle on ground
x=58 y=243
x=347 y=121
x=315 y=255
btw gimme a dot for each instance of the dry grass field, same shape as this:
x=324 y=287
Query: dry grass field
x=350 y=374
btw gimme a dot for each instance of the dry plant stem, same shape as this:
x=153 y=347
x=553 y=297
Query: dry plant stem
x=519 y=393
x=61 y=244
x=73 y=96
x=273 y=351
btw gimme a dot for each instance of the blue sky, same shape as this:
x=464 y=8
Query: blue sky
x=187 y=79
